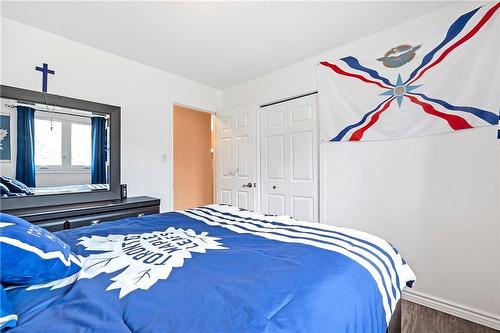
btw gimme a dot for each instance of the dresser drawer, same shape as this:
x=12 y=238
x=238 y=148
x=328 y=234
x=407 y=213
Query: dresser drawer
x=83 y=221
x=61 y=217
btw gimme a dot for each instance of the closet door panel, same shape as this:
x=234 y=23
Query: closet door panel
x=302 y=157
x=303 y=208
x=275 y=204
x=275 y=157
x=289 y=159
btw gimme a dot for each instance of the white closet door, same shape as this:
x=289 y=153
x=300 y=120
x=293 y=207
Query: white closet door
x=235 y=158
x=289 y=159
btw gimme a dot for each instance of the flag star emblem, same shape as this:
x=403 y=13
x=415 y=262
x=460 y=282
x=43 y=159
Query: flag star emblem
x=399 y=90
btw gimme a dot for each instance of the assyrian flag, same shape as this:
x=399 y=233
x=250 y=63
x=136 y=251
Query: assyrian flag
x=441 y=78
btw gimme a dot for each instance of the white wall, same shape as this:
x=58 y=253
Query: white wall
x=145 y=94
x=436 y=198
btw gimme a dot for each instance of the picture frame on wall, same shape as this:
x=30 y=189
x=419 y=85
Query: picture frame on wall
x=5 y=138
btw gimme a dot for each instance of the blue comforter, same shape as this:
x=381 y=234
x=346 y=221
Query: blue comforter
x=218 y=269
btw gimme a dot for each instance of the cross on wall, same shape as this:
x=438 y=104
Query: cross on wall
x=45 y=73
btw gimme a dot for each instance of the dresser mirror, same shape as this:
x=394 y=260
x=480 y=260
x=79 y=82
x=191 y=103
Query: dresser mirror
x=56 y=149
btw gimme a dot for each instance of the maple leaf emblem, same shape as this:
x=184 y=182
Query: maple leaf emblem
x=144 y=258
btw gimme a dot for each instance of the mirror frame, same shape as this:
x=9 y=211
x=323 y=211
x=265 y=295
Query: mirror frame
x=8 y=203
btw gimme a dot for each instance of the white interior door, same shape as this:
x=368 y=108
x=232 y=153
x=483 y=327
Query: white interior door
x=289 y=159
x=235 y=158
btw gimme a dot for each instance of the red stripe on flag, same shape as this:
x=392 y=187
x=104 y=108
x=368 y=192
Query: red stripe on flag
x=340 y=71
x=357 y=135
x=465 y=38
x=455 y=122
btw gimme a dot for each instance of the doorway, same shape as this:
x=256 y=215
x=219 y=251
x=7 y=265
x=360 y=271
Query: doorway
x=193 y=147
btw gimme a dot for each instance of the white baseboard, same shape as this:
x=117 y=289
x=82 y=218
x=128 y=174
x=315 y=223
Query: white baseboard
x=455 y=309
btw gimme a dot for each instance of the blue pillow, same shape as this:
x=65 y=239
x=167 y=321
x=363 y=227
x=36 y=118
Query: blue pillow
x=7 y=316
x=32 y=255
x=15 y=186
x=4 y=189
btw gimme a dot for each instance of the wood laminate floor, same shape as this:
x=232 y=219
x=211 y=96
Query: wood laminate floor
x=420 y=319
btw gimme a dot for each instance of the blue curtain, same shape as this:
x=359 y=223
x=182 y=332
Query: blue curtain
x=99 y=151
x=25 y=161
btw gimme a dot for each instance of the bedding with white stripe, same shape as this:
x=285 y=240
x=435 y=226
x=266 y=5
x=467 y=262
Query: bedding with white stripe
x=376 y=255
x=218 y=269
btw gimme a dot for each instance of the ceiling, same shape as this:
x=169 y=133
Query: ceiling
x=219 y=44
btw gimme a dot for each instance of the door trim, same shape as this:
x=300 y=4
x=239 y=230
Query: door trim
x=258 y=173
x=321 y=178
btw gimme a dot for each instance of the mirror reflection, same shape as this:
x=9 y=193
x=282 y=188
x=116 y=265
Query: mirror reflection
x=46 y=149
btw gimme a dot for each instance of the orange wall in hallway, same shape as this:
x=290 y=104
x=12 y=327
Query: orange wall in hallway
x=193 y=174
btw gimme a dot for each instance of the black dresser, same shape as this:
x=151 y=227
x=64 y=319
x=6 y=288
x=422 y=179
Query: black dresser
x=55 y=218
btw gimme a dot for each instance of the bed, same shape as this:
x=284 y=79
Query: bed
x=218 y=269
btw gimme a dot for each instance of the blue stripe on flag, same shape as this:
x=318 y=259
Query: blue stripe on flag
x=453 y=31
x=342 y=133
x=291 y=229
x=306 y=238
x=354 y=63
x=487 y=116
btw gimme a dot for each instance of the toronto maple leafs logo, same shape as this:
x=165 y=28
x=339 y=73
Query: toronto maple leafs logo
x=144 y=258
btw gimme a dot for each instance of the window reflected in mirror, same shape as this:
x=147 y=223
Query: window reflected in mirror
x=49 y=149
x=48 y=143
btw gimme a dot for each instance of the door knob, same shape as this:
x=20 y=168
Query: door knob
x=274 y=187
x=247 y=185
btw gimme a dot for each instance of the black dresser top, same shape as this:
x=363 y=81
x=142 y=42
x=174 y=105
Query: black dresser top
x=63 y=211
